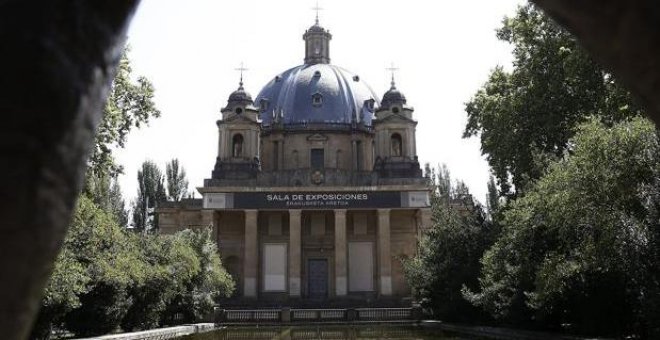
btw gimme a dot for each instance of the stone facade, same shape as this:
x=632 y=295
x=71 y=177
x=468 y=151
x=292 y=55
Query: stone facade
x=317 y=193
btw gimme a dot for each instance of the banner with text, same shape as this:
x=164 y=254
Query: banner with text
x=317 y=200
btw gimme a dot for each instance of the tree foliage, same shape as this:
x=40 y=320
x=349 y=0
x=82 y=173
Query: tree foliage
x=104 y=248
x=104 y=191
x=130 y=104
x=210 y=282
x=581 y=247
x=177 y=183
x=185 y=282
x=449 y=252
x=151 y=190
x=107 y=277
x=526 y=117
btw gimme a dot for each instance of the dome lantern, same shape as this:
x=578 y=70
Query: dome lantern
x=317 y=44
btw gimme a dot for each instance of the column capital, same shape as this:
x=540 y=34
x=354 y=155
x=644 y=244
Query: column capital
x=297 y=212
x=340 y=212
x=251 y=211
x=383 y=211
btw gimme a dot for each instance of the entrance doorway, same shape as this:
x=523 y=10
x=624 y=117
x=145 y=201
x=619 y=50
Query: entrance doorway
x=317 y=278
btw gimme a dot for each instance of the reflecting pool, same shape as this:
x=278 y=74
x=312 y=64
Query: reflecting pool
x=329 y=332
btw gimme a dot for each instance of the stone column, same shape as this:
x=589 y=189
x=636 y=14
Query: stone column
x=353 y=155
x=414 y=143
x=253 y=146
x=341 y=282
x=280 y=154
x=294 y=253
x=221 y=144
x=425 y=220
x=384 y=258
x=251 y=256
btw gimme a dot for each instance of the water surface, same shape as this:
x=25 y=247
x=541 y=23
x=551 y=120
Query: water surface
x=329 y=332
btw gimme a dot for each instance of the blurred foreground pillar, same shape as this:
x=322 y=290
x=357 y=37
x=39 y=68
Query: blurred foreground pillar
x=58 y=61
x=623 y=36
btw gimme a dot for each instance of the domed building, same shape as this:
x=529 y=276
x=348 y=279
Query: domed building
x=317 y=192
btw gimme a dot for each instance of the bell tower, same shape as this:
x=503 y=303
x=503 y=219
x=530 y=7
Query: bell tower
x=238 y=137
x=395 y=141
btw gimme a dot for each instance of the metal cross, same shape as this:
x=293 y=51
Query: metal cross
x=317 y=9
x=392 y=69
x=241 y=69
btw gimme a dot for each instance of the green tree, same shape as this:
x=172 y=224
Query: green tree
x=170 y=265
x=105 y=192
x=177 y=183
x=526 y=117
x=449 y=252
x=207 y=285
x=581 y=248
x=110 y=261
x=106 y=277
x=151 y=190
x=130 y=104
x=68 y=281
x=493 y=197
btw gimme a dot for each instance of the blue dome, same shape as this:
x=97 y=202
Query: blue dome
x=319 y=93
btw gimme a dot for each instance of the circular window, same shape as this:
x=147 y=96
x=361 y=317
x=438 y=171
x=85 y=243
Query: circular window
x=238 y=110
x=395 y=109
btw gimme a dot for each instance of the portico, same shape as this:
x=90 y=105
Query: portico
x=318 y=253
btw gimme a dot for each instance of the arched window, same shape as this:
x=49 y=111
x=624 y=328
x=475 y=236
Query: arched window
x=396 y=145
x=237 y=145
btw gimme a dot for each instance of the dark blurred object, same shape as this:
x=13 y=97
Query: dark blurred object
x=624 y=36
x=58 y=59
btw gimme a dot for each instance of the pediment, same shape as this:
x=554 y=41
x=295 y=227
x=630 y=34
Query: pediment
x=317 y=137
x=395 y=118
x=238 y=119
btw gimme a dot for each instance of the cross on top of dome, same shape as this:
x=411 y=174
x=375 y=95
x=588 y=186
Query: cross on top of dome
x=241 y=69
x=317 y=9
x=392 y=69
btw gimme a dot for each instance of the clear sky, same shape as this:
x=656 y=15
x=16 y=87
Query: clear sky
x=444 y=51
